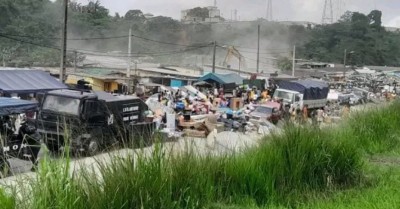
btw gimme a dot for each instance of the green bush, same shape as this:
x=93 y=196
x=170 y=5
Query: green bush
x=377 y=131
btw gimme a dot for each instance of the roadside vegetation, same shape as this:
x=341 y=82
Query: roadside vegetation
x=29 y=36
x=352 y=166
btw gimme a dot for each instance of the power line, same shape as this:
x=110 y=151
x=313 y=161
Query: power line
x=28 y=42
x=10 y=36
x=159 y=54
x=89 y=52
x=269 y=53
x=99 y=38
x=94 y=52
x=265 y=50
x=105 y=54
x=243 y=47
x=256 y=61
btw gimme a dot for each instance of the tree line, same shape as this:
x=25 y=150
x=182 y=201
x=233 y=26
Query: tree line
x=30 y=31
x=362 y=36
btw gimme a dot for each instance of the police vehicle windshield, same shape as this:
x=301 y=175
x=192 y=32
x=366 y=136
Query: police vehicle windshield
x=63 y=105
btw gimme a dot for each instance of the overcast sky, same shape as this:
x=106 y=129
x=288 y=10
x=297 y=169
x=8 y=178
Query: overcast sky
x=300 y=10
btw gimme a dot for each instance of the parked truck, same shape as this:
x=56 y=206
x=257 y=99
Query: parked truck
x=313 y=93
x=91 y=121
x=18 y=139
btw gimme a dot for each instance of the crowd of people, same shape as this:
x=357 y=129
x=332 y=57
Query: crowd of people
x=212 y=100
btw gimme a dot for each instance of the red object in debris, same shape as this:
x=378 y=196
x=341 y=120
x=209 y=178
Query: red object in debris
x=253 y=76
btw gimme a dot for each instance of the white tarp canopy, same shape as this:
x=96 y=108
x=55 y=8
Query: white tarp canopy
x=194 y=92
x=365 y=71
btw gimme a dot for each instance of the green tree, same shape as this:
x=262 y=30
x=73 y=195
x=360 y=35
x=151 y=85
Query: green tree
x=357 y=32
x=376 y=20
x=284 y=64
x=136 y=15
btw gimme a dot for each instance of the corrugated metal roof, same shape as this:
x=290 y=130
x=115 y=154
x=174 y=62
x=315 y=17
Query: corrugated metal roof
x=9 y=106
x=223 y=78
x=169 y=72
x=28 y=81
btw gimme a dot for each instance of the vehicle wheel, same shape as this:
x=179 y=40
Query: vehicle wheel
x=93 y=147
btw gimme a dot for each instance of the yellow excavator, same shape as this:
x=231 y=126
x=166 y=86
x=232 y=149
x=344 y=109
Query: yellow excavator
x=233 y=52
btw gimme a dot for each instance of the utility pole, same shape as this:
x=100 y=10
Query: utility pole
x=4 y=60
x=258 y=50
x=128 y=71
x=135 y=81
x=344 y=63
x=214 y=56
x=75 y=60
x=240 y=63
x=294 y=60
x=136 y=68
x=64 y=42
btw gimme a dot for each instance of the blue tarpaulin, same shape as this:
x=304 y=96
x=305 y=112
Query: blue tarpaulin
x=28 y=81
x=176 y=83
x=311 y=89
x=10 y=106
x=222 y=78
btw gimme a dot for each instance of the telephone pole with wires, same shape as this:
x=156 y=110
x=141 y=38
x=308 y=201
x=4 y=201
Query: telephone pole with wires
x=294 y=60
x=75 y=60
x=128 y=70
x=258 y=49
x=214 y=56
x=64 y=42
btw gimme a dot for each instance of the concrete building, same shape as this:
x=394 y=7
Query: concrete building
x=298 y=23
x=393 y=29
x=214 y=16
x=99 y=79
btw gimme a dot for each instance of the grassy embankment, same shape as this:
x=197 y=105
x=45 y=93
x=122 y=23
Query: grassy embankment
x=303 y=168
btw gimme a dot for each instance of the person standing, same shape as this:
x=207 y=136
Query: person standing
x=248 y=97
x=293 y=113
x=252 y=94
x=320 y=116
x=286 y=113
x=305 y=114
x=346 y=111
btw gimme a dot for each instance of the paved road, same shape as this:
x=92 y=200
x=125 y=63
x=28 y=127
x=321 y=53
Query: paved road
x=216 y=144
x=19 y=166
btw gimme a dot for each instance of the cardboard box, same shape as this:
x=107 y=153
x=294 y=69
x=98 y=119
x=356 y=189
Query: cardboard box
x=236 y=103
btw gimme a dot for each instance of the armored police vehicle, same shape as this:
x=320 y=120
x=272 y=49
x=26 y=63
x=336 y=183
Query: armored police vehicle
x=92 y=121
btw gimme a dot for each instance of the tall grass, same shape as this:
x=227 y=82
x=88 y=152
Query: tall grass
x=378 y=130
x=7 y=201
x=283 y=170
x=277 y=172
